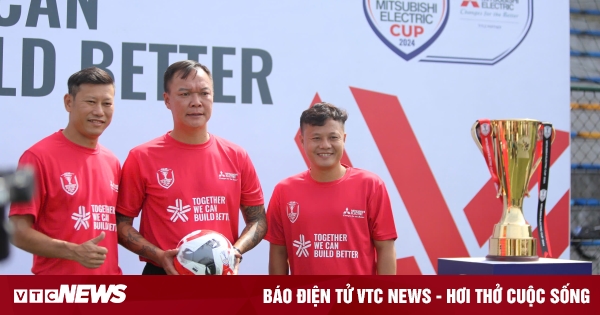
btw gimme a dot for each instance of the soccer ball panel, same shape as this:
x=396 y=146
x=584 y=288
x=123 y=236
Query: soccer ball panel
x=204 y=252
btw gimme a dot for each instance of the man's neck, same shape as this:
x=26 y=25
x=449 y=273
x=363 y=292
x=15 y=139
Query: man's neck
x=72 y=135
x=328 y=175
x=190 y=136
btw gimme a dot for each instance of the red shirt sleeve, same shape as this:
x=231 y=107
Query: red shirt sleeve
x=33 y=206
x=380 y=215
x=131 y=188
x=252 y=194
x=275 y=234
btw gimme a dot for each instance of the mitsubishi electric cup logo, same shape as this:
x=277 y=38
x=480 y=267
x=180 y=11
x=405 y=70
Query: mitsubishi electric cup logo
x=407 y=27
x=68 y=181
x=293 y=211
x=479 y=32
x=81 y=218
x=303 y=246
x=165 y=177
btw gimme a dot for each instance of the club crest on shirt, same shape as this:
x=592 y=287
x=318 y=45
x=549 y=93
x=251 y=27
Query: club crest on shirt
x=69 y=183
x=293 y=211
x=165 y=177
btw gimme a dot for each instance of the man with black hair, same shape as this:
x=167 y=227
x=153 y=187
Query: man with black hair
x=188 y=179
x=331 y=219
x=69 y=225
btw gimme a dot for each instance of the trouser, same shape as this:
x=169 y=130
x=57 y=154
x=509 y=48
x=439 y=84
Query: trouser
x=151 y=269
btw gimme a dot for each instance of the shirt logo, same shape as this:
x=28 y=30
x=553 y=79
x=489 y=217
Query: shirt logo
x=293 y=211
x=81 y=218
x=69 y=183
x=351 y=213
x=179 y=211
x=166 y=177
x=543 y=194
x=228 y=176
x=114 y=186
x=547 y=132
x=302 y=246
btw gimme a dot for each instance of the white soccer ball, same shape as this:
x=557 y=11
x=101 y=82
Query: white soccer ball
x=204 y=252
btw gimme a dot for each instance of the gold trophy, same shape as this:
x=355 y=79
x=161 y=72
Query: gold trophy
x=509 y=147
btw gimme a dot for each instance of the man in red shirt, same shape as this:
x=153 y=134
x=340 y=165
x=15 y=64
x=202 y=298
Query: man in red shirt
x=69 y=225
x=332 y=218
x=187 y=180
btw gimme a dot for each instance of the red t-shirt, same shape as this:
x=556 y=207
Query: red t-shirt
x=75 y=196
x=329 y=228
x=180 y=188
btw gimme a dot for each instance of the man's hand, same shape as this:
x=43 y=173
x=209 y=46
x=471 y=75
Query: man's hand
x=89 y=254
x=238 y=260
x=165 y=259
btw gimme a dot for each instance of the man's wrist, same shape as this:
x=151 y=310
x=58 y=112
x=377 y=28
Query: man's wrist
x=239 y=252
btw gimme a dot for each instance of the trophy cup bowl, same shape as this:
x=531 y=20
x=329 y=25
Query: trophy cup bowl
x=513 y=146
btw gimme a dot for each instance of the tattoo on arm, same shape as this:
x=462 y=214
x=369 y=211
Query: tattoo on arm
x=131 y=239
x=256 y=227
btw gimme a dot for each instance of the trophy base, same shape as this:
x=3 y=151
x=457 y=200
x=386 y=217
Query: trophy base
x=512 y=258
x=513 y=249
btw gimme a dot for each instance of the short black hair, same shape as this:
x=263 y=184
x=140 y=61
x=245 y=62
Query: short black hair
x=186 y=67
x=91 y=75
x=320 y=113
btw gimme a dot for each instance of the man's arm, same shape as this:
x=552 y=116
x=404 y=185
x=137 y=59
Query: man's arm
x=253 y=233
x=131 y=239
x=386 y=257
x=278 y=260
x=88 y=254
x=255 y=230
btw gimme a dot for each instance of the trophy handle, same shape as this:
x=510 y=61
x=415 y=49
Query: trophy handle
x=475 y=136
x=553 y=135
x=539 y=159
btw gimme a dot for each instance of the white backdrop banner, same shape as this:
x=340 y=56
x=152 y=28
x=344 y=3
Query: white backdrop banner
x=413 y=75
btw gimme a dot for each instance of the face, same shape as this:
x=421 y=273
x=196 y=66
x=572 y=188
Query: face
x=90 y=109
x=324 y=145
x=190 y=100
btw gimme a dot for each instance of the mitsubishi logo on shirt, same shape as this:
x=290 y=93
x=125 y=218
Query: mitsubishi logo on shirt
x=81 y=218
x=228 y=176
x=302 y=246
x=353 y=213
x=114 y=186
x=179 y=211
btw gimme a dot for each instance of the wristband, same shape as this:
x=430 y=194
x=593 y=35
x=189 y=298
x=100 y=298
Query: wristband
x=240 y=252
